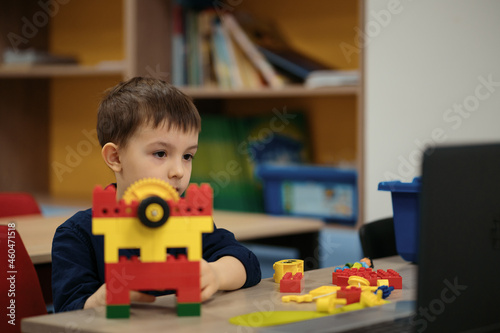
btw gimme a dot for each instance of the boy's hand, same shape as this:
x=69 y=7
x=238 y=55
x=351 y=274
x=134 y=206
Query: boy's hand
x=227 y=273
x=209 y=280
x=99 y=298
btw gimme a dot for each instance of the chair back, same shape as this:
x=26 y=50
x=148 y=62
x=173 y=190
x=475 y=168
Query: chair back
x=20 y=291
x=378 y=239
x=17 y=203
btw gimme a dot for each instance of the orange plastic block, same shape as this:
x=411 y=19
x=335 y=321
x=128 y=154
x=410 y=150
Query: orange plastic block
x=292 y=284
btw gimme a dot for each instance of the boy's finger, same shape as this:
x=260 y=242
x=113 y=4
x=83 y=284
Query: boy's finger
x=141 y=297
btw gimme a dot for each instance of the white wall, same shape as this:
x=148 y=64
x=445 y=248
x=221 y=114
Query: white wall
x=426 y=64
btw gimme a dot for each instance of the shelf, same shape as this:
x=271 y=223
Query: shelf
x=50 y=71
x=288 y=91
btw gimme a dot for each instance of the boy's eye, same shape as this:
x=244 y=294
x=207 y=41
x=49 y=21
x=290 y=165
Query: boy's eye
x=160 y=154
x=188 y=157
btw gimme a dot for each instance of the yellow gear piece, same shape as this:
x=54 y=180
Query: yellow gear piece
x=358 y=281
x=149 y=187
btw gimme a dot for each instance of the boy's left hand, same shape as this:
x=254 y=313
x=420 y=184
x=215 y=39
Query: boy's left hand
x=226 y=273
x=209 y=280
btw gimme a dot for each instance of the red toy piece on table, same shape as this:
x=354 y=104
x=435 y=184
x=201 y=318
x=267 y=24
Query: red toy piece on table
x=351 y=294
x=292 y=284
x=341 y=277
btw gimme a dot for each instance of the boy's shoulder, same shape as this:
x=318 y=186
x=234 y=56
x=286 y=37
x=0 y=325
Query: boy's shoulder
x=80 y=220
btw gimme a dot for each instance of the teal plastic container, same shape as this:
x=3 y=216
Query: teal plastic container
x=406 y=210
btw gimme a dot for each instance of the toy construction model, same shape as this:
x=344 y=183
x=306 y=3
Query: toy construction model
x=152 y=217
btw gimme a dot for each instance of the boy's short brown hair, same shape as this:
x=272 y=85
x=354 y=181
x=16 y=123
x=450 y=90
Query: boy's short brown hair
x=139 y=101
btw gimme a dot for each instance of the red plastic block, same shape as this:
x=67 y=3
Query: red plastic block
x=395 y=280
x=292 y=284
x=177 y=274
x=104 y=204
x=342 y=280
x=341 y=277
x=352 y=294
x=198 y=202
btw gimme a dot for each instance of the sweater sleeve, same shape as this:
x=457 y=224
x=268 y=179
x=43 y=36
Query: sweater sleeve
x=75 y=272
x=221 y=242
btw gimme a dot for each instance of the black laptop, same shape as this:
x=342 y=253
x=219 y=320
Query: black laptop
x=459 y=257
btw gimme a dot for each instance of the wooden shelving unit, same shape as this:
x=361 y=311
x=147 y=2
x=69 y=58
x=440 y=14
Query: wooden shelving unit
x=62 y=100
x=55 y=71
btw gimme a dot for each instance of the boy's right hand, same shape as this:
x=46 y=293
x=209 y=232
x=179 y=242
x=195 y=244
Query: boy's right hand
x=99 y=298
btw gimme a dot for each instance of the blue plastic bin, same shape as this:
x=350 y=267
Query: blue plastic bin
x=405 y=207
x=310 y=191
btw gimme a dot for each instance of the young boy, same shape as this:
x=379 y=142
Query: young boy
x=147 y=128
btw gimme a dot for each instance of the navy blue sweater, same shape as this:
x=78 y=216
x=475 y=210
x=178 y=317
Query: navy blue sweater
x=78 y=260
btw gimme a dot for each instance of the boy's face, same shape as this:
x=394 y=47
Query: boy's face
x=161 y=153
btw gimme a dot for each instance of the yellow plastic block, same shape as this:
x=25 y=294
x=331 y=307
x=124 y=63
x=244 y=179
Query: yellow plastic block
x=287 y=265
x=129 y=232
x=382 y=282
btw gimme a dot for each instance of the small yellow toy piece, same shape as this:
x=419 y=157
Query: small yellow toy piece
x=328 y=303
x=287 y=265
x=323 y=290
x=370 y=299
x=382 y=282
x=307 y=298
x=358 y=281
x=357 y=265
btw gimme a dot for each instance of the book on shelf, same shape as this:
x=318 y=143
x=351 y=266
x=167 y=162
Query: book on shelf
x=178 y=50
x=207 y=74
x=237 y=50
x=287 y=59
x=252 y=52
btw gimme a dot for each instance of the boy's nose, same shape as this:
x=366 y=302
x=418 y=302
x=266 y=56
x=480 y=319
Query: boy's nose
x=176 y=170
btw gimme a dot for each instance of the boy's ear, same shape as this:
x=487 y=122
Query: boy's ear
x=110 y=155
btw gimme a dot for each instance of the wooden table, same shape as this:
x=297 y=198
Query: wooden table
x=37 y=232
x=161 y=315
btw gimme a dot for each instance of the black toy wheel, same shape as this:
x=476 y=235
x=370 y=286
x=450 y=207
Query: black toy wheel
x=153 y=212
